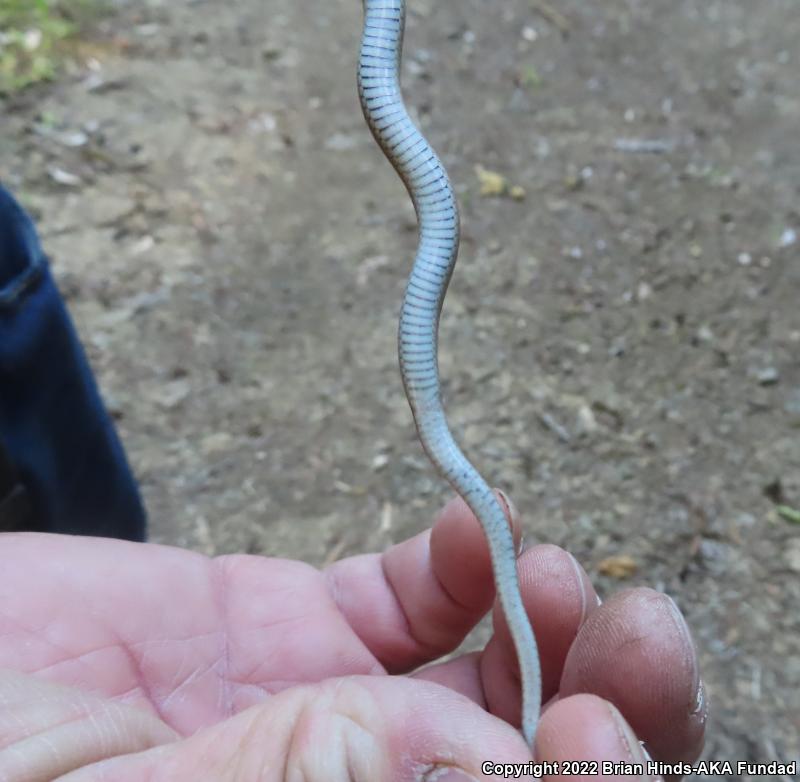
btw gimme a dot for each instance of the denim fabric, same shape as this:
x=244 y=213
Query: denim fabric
x=54 y=427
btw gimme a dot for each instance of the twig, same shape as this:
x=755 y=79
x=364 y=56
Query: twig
x=556 y=18
x=653 y=146
x=555 y=427
x=386 y=517
x=336 y=550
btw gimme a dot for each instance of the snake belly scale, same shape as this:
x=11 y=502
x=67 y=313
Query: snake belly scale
x=437 y=212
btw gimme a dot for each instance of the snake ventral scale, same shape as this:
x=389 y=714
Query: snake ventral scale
x=437 y=212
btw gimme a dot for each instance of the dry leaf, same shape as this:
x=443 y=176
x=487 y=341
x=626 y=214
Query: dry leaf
x=492 y=183
x=619 y=567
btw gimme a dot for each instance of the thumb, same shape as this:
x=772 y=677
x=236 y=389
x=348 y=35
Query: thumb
x=355 y=729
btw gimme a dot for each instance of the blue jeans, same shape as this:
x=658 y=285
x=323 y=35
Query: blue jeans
x=62 y=466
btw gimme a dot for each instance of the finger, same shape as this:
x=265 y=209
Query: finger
x=359 y=728
x=47 y=730
x=589 y=739
x=420 y=598
x=636 y=652
x=558 y=598
x=461 y=673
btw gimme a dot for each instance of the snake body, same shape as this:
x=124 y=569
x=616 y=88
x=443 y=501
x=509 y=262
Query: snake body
x=437 y=212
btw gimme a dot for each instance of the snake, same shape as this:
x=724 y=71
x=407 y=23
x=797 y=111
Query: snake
x=432 y=195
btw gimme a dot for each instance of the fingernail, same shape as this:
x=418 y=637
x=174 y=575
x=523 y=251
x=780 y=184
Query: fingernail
x=447 y=774
x=582 y=586
x=513 y=514
x=696 y=700
x=511 y=509
x=635 y=752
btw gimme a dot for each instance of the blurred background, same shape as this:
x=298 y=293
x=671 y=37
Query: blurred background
x=620 y=343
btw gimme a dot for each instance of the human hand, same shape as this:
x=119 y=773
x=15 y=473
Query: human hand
x=128 y=662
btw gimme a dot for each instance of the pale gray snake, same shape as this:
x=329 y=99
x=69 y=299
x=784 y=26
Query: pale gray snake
x=437 y=212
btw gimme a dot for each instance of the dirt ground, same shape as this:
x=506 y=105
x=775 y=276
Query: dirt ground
x=619 y=347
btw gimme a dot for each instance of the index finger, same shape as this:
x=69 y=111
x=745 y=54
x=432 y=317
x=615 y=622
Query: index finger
x=418 y=600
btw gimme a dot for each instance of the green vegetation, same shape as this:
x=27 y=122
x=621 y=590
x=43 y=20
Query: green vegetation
x=529 y=77
x=31 y=36
x=790 y=514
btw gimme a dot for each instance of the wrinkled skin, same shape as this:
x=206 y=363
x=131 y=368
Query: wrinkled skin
x=123 y=661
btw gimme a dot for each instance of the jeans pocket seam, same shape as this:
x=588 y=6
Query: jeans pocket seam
x=13 y=292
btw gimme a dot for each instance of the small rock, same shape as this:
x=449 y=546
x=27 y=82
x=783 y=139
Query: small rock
x=32 y=40
x=148 y=30
x=714 y=555
x=380 y=461
x=98 y=85
x=144 y=301
x=788 y=237
x=339 y=142
x=143 y=245
x=618 y=346
x=65 y=178
x=793 y=555
x=767 y=376
x=72 y=139
x=170 y=395
x=215 y=442
x=263 y=123
x=587 y=423
x=605 y=399
x=704 y=334
x=792 y=404
x=75 y=139
x=416 y=68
